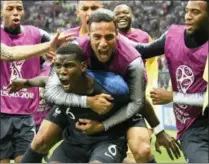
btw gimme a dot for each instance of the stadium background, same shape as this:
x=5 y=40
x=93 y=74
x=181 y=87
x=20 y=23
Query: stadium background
x=153 y=17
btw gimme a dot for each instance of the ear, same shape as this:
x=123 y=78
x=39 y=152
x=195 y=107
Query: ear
x=83 y=66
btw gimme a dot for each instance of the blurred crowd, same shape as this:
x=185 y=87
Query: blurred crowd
x=153 y=17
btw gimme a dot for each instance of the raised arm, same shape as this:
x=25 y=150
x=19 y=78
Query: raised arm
x=24 y=52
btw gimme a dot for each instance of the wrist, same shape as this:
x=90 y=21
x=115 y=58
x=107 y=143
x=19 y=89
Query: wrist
x=158 y=129
x=170 y=96
x=89 y=101
x=101 y=127
x=27 y=83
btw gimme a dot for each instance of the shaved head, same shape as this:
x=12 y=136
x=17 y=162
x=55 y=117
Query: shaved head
x=123 y=6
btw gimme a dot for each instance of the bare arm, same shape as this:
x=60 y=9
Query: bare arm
x=23 y=52
x=18 y=84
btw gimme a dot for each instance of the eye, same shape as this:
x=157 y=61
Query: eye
x=196 y=12
x=96 y=37
x=85 y=8
x=109 y=37
x=69 y=65
x=126 y=12
x=19 y=8
x=9 y=8
x=94 y=8
x=57 y=65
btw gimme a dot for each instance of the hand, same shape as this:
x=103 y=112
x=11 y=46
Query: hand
x=59 y=39
x=171 y=145
x=17 y=85
x=161 y=96
x=89 y=127
x=100 y=103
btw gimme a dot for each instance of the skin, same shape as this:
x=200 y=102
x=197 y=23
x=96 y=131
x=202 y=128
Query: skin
x=12 y=13
x=103 y=37
x=70 y=72
x=85 y=8
x=141 y=141
x=196 y=16
x=42 y=141
x=196 y=19
x=123 y=17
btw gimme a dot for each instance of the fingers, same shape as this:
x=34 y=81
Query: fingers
x=51 y=54
x=84 y=121
x=108 y=97
x=157 y=148
x=57 y=34
x=79 y=126
x=178 y=144
x=175 y=150
x=169 y=153
x=9 y=86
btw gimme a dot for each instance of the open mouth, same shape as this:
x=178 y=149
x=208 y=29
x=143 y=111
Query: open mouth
x=103 y=55
x=16 y=21
x=65 y=84
x=122 y=22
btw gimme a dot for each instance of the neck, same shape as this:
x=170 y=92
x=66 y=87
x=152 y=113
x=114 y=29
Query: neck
x=83 y=30
x=13 y=31
x=83 y=86
x=125 y=30
x=197 y=38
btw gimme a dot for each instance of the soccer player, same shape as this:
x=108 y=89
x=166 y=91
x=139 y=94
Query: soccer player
x=17 y=125
x=107 y=52
x=186 y=50
x=42 y=142
x=162 y=96
x=84 y=9
x=124 y=15
x=106 y=147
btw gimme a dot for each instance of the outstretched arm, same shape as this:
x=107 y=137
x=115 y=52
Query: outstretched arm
x=24 y=52
x=18 y=84
x=151 y=49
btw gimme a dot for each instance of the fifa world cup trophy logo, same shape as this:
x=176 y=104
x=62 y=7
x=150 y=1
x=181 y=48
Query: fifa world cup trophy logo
x=184 y=78
x=16 y=70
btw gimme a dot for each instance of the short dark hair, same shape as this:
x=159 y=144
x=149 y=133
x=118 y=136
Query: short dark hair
x=102 y=15
x=71 y=49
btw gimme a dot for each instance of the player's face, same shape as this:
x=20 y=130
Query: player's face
x=123 y=17
x=103 y=39
x=68 y=70
x=12 y=13
x=85 y=8
x=196 y=16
